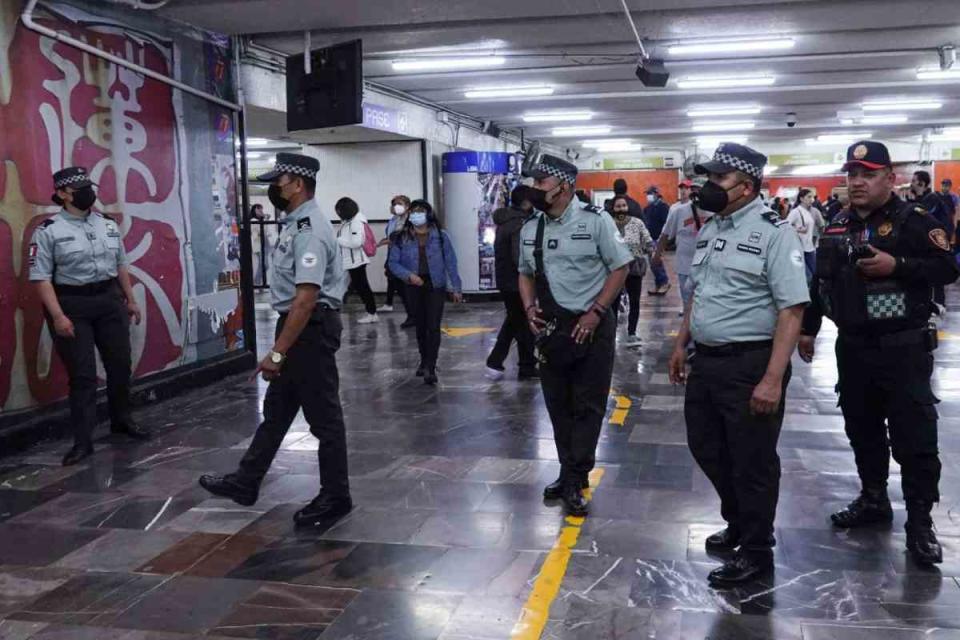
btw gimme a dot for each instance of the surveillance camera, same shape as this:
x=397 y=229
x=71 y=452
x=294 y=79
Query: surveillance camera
x=791 y=119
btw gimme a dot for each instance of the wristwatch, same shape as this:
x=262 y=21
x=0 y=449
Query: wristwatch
x=276 y=357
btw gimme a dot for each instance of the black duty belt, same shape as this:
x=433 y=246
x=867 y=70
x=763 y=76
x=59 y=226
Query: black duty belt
x=907 y=338
x=732 y=348
x=92 y=289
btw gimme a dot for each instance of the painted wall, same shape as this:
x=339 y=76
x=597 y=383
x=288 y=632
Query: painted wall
x=164 y=163
x=637 y=182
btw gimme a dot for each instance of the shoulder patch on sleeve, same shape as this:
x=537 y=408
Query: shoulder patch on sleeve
x=773 y=218
x=46 y=223
x=939 y=239
x=592 y=208
x=921 y=210
x=304 y=225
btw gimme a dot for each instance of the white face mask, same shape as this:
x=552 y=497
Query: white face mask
x=651 y=198
x=399 y=209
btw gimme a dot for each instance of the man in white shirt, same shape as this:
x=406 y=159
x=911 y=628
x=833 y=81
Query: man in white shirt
x=682 y=225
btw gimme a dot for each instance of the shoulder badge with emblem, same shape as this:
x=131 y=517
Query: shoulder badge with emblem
x=773 y=218
x=592 y=208
x=46 y=223
x=304 y=225
x=939 y=238
x=885 y=228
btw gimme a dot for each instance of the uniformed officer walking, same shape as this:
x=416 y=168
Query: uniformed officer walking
x=307 y=284
x=573 y=264
x=80 y=267
x=749 y=292
x=876 y=265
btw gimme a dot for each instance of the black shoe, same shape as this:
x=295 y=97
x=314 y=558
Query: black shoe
x=229 y=486
x=77 y=453
x=726 y=540
x=430 y=377
x=923 y=545
x=870 y=507
x=131 y=429
x=740 y=569
x=408 y=323
x=322 y=508
x=573 y=500
x=421 y=371
x=528 y=373
x=554 y=490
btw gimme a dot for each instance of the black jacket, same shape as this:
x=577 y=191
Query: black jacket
x=506 y=246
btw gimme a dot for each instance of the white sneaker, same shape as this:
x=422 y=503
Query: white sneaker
x=494 y=375
x=387 y=308
x=633 y=341
x=370 y=318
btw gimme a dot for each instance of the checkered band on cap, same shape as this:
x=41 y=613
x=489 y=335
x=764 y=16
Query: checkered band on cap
x=738 y=163
x=283 y=167
x=556 y=172
x=69 y=180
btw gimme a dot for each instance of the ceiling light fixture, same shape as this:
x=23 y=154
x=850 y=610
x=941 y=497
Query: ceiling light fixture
x=557 y=116
x=890 y=119
x=581 y=131
x=731 y=46
x=720 y=112
x=443 y=64
x=715 y=141
x=935 y=73
x=611 y=148
x=602 y=142
x=838 y=138
x=816 y=170
x=481 y=93
x=712 y=82
x=907 y=105
x=723 y=126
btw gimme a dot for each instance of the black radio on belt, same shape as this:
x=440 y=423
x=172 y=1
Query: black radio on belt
x=931 y=338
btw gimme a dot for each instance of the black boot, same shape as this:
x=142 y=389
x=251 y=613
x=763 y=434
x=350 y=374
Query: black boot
x=872 y=506
x=78 y=452
x=726 y=540
x=573 y=500
x=131 y=429
x=421 y=371
x=922 y=542
x=528 y=373
x=323 y=508
x=554 y=490
x=742 y=568
x=430 y=377
x=243 y=492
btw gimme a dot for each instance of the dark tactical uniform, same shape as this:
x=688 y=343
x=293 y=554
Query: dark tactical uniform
x=81 y=256
x=884 y=350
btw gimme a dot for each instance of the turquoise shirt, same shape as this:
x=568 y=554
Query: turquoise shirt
x=580 y=249
x=747 y=267
x=75 y=250
x=307 y=253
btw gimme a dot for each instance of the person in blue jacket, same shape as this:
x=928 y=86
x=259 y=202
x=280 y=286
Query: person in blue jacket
x=422 y=255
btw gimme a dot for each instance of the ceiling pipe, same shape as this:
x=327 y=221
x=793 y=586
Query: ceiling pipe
x=29 y=23
x=307 y=62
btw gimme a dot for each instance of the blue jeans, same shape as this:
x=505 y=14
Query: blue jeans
x=659 y=275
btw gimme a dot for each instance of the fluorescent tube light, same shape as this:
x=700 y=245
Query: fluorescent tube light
x=557 y=116
x=907 y=105
x=481 y=93
x=720 y=112
x=816 y=170
x=441 y=64
x=736 y=82
x=731 y=46
x=723 y=126
x=581 y=131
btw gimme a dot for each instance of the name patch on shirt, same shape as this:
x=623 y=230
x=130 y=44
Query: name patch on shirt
x=529 y=243
x=748 y=249
x=719 y=244
x=581 y=236
x=702 y=244
x=64 y=239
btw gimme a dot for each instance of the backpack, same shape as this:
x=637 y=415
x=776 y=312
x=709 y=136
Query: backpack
x=369 y=241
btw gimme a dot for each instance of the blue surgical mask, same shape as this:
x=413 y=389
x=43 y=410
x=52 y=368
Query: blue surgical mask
x=418 y=218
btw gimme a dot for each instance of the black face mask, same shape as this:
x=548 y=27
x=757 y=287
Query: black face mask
x=83 y=198
x=538 y=198
x=276 y=199
x=713 y=197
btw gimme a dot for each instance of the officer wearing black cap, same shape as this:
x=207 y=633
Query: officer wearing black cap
x=80 y=267
x=876 y=265
x=750 y=288
x=307 y=284
x=573 y=264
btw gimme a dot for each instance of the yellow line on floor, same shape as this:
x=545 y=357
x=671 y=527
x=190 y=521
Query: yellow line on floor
x=462 y=332
x=619 y=415
x=536 y=611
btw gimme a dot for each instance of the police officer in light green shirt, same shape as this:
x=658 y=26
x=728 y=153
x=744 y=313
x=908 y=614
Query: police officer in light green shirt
x=573 y=264
x=749 y=294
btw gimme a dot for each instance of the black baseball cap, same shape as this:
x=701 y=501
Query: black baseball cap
x=867 y=153
x=292 y=163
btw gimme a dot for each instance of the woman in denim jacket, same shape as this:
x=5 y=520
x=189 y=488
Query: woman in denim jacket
x=422 y=255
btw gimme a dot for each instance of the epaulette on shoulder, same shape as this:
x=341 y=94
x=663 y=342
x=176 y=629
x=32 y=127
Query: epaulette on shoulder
x=106 y=217
x=773 y=218
x=592 y=208
x=304 y=224
x=46 y=223
x=533 y=216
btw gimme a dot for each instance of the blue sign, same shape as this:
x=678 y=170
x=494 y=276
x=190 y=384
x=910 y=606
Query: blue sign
x=385 y=119
x=479 y=162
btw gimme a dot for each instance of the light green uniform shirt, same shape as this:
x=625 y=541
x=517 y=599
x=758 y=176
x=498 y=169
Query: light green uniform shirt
x=307 y=253
x=747 y=267
x=73 y=250
x=580 y=249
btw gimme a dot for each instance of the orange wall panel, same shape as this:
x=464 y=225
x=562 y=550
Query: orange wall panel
x=637 y=182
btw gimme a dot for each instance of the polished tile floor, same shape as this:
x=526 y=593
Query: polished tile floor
x=450 y=538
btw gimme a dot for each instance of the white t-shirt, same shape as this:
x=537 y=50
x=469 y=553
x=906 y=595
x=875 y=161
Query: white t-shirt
x=805 y=222
x=681 y=227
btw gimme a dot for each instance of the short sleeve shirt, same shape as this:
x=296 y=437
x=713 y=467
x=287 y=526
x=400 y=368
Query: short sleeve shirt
x=682 y=227
x=76 y=250
x=307 y=253
x=747 y=267
x=580 y=249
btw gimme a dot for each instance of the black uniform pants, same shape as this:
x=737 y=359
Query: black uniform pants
x=888 y=405
x=514 y=327
x=100 y=322
x=634 y=287
x=360 y=285
x=308 y=380
x=736 y=449
x=576 y=394
x=425 y=304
